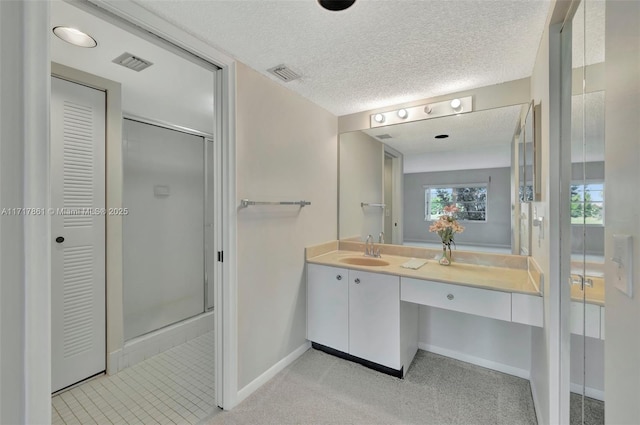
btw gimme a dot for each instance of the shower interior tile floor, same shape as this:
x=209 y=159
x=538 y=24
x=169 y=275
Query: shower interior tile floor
x=173 y=387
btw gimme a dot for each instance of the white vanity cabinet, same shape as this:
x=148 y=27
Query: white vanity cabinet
x=374 y=318
x=358 y=315
x=328 y=306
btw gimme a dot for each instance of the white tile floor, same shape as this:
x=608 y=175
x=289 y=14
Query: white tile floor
x=173 y=387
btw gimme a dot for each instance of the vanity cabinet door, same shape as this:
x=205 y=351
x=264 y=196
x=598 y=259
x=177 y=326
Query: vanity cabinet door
x=585 y=315
x=328 y=306
x=374 y=318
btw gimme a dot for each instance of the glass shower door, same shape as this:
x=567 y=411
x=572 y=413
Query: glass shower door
x=163 y=240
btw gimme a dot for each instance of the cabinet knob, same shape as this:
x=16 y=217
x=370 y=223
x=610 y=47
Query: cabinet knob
x=357 y=280
x=339 y=277
x=450 y=296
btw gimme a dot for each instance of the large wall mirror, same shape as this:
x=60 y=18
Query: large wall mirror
x=394 y=180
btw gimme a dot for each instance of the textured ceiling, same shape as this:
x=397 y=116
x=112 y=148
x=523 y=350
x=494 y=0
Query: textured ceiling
x=376 y=53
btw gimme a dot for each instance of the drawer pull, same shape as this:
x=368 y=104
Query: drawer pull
x=450 y=296
x=339 y=277
x=357 y=280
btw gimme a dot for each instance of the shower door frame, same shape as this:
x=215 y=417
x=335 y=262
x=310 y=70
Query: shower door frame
x=208 y=142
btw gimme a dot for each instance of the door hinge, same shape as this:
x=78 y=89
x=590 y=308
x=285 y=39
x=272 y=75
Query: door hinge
x=220 y=256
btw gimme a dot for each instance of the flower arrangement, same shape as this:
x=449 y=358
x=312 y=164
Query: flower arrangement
x=446 y=227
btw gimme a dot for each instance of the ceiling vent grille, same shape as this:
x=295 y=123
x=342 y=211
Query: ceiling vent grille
x=284 y=73
x=132 y=62
x=384 y=136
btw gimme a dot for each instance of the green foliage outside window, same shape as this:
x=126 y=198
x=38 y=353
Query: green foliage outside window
x=470 y=200
x=587 y=203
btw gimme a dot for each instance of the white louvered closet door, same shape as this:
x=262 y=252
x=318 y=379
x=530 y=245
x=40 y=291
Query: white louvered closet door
x=78 y=335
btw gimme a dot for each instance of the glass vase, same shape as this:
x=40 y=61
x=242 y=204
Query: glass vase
x=445 y=260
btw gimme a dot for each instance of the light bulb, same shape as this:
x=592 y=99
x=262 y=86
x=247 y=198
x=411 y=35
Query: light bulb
x=402 y=113
x=456 y=105
x=379 y=118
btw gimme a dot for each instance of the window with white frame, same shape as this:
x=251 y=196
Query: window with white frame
x=587 y=203
x=471 y=200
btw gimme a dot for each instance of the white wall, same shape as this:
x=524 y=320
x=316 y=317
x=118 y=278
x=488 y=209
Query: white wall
x=622 y=152
x=25 y=361
x=361 y=180
x=286 y=150
x=492 y=343
x=496 y=231
x=547 y=343
x=12 y=302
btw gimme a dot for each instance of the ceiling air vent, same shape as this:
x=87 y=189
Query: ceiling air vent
x=285 y=73
x=132 y=62
x=384 y=136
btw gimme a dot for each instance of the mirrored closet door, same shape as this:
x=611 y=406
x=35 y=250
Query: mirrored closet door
x=585 y=184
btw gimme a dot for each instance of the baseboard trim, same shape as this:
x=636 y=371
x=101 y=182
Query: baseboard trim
x=247 y=390
x=500 y=367
x=588 y=391
x=536 y=405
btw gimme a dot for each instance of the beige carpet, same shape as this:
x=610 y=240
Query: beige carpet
x=322 y=389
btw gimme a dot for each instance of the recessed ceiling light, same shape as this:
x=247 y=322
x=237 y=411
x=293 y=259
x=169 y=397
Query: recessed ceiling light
x=336 y=5
x=75 y=37
x=442 y=136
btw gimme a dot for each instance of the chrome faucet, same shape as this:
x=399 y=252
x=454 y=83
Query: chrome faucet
x=369 y=248
x=381 y=237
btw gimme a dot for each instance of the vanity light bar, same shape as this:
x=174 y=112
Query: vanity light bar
x=459 y=105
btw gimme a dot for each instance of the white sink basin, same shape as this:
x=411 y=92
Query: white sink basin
x=364 y=261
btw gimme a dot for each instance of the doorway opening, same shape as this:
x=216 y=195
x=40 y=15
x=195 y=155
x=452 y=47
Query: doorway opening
x=162 y=208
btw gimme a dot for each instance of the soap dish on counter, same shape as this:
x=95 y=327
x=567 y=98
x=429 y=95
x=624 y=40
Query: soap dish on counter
x=414 y=263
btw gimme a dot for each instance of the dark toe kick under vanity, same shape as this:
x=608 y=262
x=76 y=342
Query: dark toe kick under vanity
x=369 y=313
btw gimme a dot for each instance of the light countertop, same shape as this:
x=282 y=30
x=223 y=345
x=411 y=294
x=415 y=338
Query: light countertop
x=592 y=295
x=496 y=278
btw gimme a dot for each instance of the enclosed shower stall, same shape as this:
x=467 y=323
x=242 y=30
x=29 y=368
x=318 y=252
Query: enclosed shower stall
x=168 y=193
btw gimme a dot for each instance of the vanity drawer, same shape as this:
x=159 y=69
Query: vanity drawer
x=527 y=309
x=481 y=302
